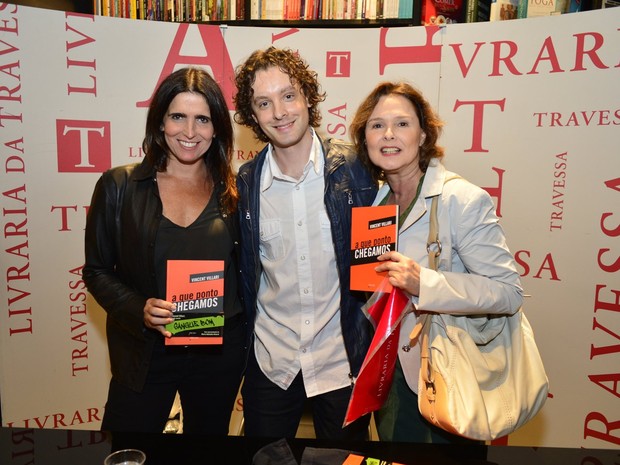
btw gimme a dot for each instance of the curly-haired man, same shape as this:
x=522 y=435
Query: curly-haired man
x=308 y=336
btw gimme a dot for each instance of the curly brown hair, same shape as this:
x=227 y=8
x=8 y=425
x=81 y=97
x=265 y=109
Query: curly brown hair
x=218 y=157
x=429 y=122
x=288 y=62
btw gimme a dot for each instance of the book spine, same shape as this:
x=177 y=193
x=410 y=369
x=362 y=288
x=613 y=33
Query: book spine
x=471 y=11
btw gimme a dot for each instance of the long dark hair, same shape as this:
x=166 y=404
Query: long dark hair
x=218 y=157
x=429 y=122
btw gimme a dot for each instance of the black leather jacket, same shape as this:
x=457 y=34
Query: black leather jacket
x=119 y=272
x=347 y=184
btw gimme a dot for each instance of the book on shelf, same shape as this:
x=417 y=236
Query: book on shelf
x=371 y=9
x=438 y=12
x=255 y=9
x=197 y=289
x=172 y=10
x=535 y=8
x=274 y=10
x=477 y=10
x=405 y=9
x=374 y=231
x=502 y=10
x=240 y=10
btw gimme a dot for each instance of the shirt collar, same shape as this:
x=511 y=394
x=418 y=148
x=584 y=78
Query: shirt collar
x=272 y=170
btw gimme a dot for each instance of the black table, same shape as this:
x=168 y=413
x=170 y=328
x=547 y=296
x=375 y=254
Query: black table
x=69 y=447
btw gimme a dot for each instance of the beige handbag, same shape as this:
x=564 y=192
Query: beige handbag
x=481 y=376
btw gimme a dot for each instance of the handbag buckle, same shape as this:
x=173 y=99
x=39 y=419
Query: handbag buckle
x=430 y=390
x=434 y=246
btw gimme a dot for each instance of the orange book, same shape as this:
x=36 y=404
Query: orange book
x=197 y=289
x=374 y=231
x=355 y=459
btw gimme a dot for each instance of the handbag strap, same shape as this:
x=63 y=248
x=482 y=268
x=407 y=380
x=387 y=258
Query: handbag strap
x=433 y=247
x=433 y=244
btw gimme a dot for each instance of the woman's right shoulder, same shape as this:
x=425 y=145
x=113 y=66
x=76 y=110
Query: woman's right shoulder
x=115 y=180
x=120 y=173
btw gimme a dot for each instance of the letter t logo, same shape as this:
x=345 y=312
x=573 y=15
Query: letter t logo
x=83 y=146
x=338 y=64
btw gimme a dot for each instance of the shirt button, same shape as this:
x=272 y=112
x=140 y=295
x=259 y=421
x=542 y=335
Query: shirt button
x=303 y=351
x=303 y=257
x=299 y=223
x=307 y=322
x=306 y=291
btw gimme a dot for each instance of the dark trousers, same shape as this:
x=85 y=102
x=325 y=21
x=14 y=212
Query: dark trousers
x=206 y=377
x=270 y=411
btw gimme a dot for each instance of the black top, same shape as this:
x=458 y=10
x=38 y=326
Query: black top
x=207 y=238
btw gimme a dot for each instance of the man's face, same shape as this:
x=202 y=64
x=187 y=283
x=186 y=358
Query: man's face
x=280 y=108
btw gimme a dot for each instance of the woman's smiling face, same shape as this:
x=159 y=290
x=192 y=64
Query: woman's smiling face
x=188 y=128
x=393 y=134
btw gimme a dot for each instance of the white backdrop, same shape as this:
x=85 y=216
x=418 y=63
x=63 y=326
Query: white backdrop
x=532 y=111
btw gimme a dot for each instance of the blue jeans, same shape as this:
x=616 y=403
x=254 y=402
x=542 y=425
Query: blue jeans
x=270 y=411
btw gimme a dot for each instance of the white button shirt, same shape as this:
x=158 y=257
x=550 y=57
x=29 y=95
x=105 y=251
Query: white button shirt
x=298 y=309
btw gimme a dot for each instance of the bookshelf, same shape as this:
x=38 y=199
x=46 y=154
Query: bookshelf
x=294 y=13
x=78 y=6
x=272 y=13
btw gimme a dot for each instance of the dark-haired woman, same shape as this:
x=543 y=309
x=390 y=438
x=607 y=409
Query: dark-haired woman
x=178 y=204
